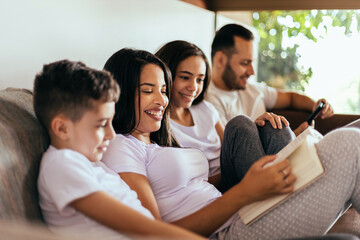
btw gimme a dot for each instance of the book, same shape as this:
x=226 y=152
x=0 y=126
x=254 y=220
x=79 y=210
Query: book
x=306 y=166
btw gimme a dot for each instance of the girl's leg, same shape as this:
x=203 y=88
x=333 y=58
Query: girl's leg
x=273 y=140
x=314 y=209
x=240 y=148
x=244 y=143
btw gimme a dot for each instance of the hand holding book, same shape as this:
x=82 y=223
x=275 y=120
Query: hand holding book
x=263 y=182
x=304 y=163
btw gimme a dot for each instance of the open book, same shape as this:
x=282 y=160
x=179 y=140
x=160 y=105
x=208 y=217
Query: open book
x=305 y=164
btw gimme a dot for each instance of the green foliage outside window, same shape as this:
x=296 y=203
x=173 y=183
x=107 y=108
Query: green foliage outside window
x=278 y=66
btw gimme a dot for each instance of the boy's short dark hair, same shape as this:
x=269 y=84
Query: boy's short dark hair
x=68 y=87
x=224 y=38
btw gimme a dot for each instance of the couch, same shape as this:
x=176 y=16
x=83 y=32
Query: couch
x=22 y=142
x=322 y=125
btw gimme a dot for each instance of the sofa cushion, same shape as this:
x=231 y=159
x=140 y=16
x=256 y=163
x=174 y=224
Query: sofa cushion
x=22 y=142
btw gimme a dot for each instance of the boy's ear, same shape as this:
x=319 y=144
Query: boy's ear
x=60 y=126
x=220 y=59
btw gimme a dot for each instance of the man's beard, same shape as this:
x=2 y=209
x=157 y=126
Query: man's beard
x=229 y=79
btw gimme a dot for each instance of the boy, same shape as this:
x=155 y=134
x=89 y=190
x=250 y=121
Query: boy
x=78 y=193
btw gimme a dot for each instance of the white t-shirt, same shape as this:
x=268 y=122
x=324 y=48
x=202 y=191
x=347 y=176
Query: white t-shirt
x=252 y=102
x=177 y=176
x=65 y=176
x=202 y=135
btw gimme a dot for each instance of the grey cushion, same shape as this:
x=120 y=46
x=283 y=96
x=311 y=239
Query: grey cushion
x=22 y=142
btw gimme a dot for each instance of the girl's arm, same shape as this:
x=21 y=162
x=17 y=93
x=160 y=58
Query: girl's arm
x=108 y=211
x=220 y=130
x=140 y=184
x=215 y=180
x=259 y=183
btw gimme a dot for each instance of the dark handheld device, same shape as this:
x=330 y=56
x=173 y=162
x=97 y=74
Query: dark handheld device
x=315 y=112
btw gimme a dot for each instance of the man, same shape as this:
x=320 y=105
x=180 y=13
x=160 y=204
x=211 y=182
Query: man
x=232 y=95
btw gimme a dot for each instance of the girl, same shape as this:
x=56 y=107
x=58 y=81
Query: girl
x=196 y=124
x=172 y=182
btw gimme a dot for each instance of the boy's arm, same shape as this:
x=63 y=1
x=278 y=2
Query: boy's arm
x=108 y=211
x=140 y=184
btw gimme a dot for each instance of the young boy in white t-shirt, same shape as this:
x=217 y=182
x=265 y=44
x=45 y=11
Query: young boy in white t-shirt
x=78 y=193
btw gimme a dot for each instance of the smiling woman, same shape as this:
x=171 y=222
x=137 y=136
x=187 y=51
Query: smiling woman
x=146 y=77
x=152 y=92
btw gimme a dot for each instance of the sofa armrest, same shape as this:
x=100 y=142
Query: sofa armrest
x=296 y=117
x=22 y=143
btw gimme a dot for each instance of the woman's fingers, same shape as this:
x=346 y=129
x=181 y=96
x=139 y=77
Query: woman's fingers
x=288 y=183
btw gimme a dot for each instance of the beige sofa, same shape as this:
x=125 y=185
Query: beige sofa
x=22 y=142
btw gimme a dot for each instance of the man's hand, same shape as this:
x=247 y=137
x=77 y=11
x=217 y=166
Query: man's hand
x=302 y=127
x=327 y=111
x=276 y=121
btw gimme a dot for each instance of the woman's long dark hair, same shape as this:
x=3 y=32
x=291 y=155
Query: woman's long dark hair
x=126 y=65
x=172 y=53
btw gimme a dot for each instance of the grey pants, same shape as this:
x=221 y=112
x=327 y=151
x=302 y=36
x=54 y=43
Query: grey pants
x=244 y=143
x=313 y=210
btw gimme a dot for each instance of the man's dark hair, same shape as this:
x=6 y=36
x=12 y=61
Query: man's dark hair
x=224 y=38
x=66 y=87
x=173 y=53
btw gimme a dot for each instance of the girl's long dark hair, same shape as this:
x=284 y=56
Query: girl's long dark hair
x=126 y=65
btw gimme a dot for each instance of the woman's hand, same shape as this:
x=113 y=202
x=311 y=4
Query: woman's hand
x=276 y=121
x=262 y=182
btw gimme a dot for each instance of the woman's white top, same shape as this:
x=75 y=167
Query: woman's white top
x=178 y=176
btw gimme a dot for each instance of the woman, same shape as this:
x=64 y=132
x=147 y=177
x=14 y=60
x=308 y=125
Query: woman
x=172 y=182
x=195 y=122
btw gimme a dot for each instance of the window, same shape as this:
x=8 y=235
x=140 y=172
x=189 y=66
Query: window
x=312 y=51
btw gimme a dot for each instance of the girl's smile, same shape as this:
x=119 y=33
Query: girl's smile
x=188 y=82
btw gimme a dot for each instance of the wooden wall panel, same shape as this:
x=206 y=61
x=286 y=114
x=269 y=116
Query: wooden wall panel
x=237 y=5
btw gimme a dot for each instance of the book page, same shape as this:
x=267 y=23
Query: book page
x=305 y=165
x=288 y=149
